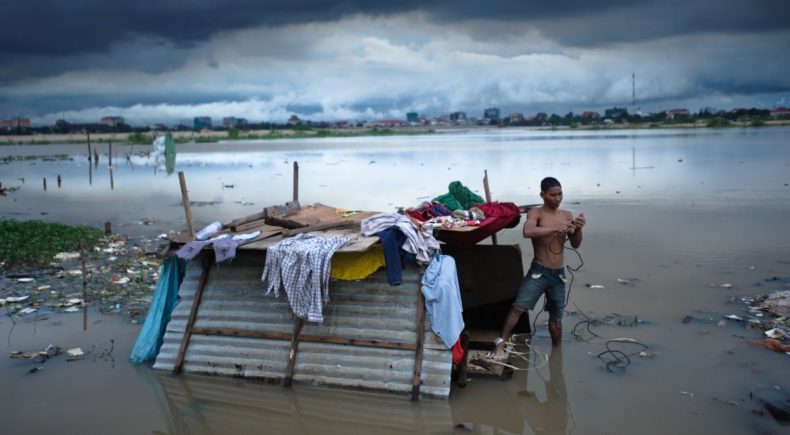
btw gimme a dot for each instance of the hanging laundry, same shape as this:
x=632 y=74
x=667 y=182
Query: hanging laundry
x=352 y=266
x=443 y=299
x=225 y=249
x=419 y=242
x=300 y=265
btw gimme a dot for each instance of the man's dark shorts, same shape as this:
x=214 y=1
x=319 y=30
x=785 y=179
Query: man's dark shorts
x=542 y=280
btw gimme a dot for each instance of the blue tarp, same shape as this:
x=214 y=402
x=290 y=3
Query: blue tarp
x=165 y=298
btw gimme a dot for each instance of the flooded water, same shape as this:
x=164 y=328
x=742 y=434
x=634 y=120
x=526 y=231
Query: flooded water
x=675 y=213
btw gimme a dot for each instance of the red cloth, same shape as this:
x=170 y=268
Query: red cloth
x=498 y=215
x=458 y=352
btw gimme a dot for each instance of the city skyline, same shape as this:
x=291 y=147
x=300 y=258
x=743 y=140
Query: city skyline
x=330 y=61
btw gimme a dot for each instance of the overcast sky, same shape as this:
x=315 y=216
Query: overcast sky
x=170 y=60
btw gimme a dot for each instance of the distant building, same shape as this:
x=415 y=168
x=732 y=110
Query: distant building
x=412 y=117
x=201 y=122
x=673 y=113
x=388 y=123
x=781 y=112
x=516 y=117
x=616 y=112
x=233 y=122
x=159 y=127
x=491 y=113
x=111 y=121
x=591 y=115
x=15 y=123
x=458 y=116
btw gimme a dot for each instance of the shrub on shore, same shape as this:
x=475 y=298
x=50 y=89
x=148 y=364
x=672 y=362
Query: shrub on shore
x=34 y=243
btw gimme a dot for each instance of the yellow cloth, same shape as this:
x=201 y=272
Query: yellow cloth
x=351 y=266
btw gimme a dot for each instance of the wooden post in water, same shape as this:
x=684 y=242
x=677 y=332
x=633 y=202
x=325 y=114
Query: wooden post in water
x=84 y=286
x=289 y=369
x=415 y=382
x=59 y=181
x=296 y=181
x=89 y=145
x=110 y=161
x=107 y=228
x=187 y=207
x=45 y=184
x=96 y=157
x=488 y=199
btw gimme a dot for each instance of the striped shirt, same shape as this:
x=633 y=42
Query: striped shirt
x=300 y=265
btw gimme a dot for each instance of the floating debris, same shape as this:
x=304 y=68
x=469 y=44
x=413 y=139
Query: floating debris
x=75 y=353
x=25 y=279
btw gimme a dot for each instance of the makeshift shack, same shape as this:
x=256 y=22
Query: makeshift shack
x=373 y=336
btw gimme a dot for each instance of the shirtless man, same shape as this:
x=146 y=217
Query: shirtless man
x=547 y=226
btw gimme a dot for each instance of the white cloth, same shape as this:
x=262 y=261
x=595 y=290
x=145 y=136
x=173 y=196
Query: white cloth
x=301 y=266
x=420 y=243
x=443 y=299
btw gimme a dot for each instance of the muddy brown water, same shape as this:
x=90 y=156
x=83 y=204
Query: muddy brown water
x=676 y=232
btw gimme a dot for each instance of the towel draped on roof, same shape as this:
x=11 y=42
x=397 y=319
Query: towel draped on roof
x=419 y=242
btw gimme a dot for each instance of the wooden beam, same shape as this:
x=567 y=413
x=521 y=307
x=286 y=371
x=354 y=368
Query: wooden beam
x=289 y=369
x=182 y=350
x=319 y=227
x=415 y=382
x=273 y=335
x=243 y=220
x=185 y=200
x=282 y=222
x=296 y=181
x=488 y=199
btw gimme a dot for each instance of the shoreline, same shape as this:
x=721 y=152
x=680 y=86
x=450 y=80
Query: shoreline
x=210 y=136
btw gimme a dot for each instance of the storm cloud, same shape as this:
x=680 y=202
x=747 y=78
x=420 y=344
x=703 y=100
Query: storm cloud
x=346 y=59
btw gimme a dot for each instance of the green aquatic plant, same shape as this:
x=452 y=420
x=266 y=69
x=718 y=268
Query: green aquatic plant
x=32 y=243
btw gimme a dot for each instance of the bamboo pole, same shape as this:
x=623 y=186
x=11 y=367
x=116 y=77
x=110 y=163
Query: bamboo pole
x=415 y=382
x=488 y=199
x=45 y=184
x=289 y=370
x=109 y=163
x=296 y=181
x=185 y=200
x=192 y=317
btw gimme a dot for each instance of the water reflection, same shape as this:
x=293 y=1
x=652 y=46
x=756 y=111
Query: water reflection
x=550 y=415
x=198 y=404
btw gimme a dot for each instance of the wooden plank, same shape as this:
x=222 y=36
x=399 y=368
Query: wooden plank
x=415 y=382
x=185 y=200
x=274 y=335
x=243 y=220
x=320 y=227
x=289 y=369
x=488 y=199
x=285 y=223
x=192 y=317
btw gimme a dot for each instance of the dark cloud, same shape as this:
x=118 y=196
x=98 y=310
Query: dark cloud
x=57 y=28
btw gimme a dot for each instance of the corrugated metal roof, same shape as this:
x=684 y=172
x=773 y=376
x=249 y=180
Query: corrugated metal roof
x=369 y=309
